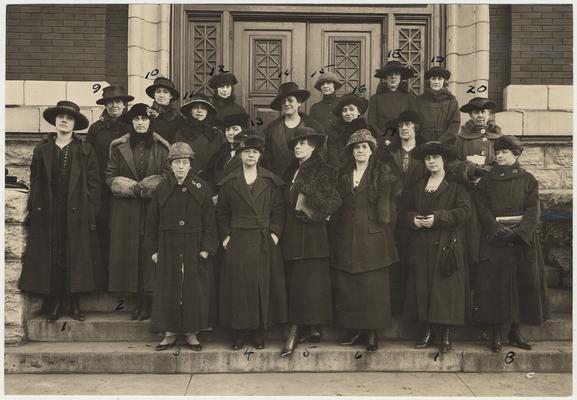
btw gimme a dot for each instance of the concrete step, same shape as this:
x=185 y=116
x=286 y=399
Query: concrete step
x=560 y=300
x=117 y=326
x=140 y=357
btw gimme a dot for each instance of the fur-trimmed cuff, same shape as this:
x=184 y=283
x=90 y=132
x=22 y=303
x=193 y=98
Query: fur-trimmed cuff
x=123 y=187
x=148 y=184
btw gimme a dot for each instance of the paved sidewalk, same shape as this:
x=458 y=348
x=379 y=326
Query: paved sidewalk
x=293 y=384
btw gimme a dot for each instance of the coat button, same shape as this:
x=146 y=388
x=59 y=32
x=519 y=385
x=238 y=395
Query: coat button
x=515 y=171
x=181 y=223
x=482 y=152
x=74 y=211
x=184 y=189
x=484 y=139
x=483 y=131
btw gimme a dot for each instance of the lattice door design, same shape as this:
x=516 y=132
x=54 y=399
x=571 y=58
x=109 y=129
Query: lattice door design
x=346 y=57
x=204 y=55
x=267 y=65
x=412 y=43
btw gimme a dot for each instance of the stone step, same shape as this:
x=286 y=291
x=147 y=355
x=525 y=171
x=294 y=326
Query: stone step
x=560 y=300
x=116 y=326
x=140 y=357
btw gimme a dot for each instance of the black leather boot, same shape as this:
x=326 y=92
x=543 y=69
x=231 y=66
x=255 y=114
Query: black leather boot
x=239 y=339
x=496 y=339
x=446 y=340
x=75 y=311
x=258 y=338
x=427 y=340
x=373 y=341
x=516 y=339
x=53 y=305
x=146 y=308
x=139 y=304
x=291 y=341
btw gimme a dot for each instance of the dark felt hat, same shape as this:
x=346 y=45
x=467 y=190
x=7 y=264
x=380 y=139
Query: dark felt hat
x=113 y=92
x=394 y=66
x=251 y=142
x=66 y=107
x=240 y=119
x=405 y=116
x=328 y=77
x=221 y=79
x=289 y=89
x=509 y=142
x=433 y=148
x=477 y=103
x=197 y=98
x=438 y=71
x=307 y=133
x=361 y=136
x=360 y=102
x=162 y=82
x=136 y=110
x=180 y=150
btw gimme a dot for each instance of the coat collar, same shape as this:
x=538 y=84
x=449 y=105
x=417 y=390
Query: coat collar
x=78 y=150
x=472 y=131
x=193 y=184
x=505 y=173
x=125 y=150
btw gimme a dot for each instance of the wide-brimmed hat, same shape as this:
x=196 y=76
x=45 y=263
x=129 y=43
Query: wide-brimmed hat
x=477 y=103
x=509 y=142
x=113 y=92
x=307 y=133
x=70 y=108
x=162 y=82
x=240 y=119
x=197 y=98
x=433 y=148
x=180 y=150
x=438 y=71
x=221 y=79
x=328 y=77
x=361 y=136
x=405 y=116
x=394 y=66
x=136 y=110
x=360 y=102
x=289 y=89
x=251 y=142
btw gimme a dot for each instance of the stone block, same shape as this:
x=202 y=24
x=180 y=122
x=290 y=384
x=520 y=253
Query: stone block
x=511 y=122
x=14 y=92
x=561 y=200
x=559 y=157
x=14 y=241
x=82 y=93
x=525 y=97
x=44 y=93
x=556 y=233
x=560 y=301
x=14 y=308
x=561 y=97
x=15 y=206
x=22 y=119
x=19 y=152
x=548 y=178
x=12 y=270
x=552 y=123
x=473 y=42
x=14 y=335
x=140 y=29
x=532 y=157
x=568 y=178
x=560 y=257
x=148 y=12
x=22 y=173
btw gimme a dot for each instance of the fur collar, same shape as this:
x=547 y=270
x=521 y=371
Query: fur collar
x=346 y=129
x=196 y=187
x=194 y=128
x=169 y=112
x=219 y=102
x=505 y=173
x=472 y=131
x=383 y=88
x=437 y=95
x=126 y=138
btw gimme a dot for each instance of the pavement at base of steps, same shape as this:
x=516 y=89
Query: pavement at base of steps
x=396 y=384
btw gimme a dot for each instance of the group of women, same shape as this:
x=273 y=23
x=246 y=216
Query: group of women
x=322 y=219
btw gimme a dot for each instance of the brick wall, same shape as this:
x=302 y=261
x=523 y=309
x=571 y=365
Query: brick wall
x=541 y=44
x=116 y=44
x=499 y=54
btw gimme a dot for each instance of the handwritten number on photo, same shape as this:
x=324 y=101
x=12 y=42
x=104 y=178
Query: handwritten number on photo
x=510 y=357
x=219 y=68
x=63 y=327
x=396 y=53
x=96 y=87
x=176 y=352
x=436 y=356
x=248 y=353
x=120 y=305
x=438 y=59
x=306 y=353
x=480 y=89
x=358 y=355
x=361 y=89
x=322 y=70
x=259 y=121
x=152 y=73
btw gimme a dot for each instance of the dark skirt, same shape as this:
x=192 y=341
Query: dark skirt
x=362 y=301
x=309 y=291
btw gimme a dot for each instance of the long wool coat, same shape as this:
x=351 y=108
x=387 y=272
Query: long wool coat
x=226 y=106
x=167 y=121
x=83 y=204
x=221 y=164
x=432 y=297
x=511 y=278
x=439 y=116
x=181 y=223
x=322 y=112
x=128 y=214
x=339 y=134
x=363 y=225
x=252 y=274
x=386 y=105
x=277 y=156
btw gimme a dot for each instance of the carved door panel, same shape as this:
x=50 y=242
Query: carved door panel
x=411 y=37
x=267 y=54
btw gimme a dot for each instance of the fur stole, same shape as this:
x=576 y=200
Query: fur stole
x=436 y=96
x=169 y=112
x=194 y=127
x=219 y=102
x=383 y=88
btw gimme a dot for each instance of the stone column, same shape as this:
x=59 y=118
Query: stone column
x=467 y=49
x=148 y=46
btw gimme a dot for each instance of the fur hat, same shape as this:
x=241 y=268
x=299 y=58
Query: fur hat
x=136 y=110
x=69 y=108
x=180 y=150
x=438 y=71
x=360 y=102
x=508 y=142
x=361 y=136
x=251 y=142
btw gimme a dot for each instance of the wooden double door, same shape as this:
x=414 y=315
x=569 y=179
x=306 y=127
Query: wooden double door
x=267 y=54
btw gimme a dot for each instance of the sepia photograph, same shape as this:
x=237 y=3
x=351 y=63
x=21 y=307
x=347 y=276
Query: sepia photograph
x=288 y=199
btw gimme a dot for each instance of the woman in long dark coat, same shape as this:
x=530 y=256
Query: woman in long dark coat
x=511 y=285
x=349 y=111
x=250 y=219
x=365 y=243
x=438 y=109
x=311 y=198
x=181 y=234
x=62 y=253
x=136 y=166
x=224 y=98
x=165 y=116
x=201 y=132
x=277 y=133
x=322 y=111
x=392 y=98
x=436 y=211
x=110 y=126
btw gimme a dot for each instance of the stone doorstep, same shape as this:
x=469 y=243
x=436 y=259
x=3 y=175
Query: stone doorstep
x=122 y=357
x=114 y=327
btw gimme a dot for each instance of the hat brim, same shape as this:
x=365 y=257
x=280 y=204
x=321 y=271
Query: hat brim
x=319 y=83
x=185 y=109
x=301 y=95
x=103 y=100
x=318 y=137
x=467 y=108
x=216 y=81
x=422 y=151
x=152 y=88
x=445 y=74
x=405 y=72
x=349 y=147
x=361 y=103
x=80 y=121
